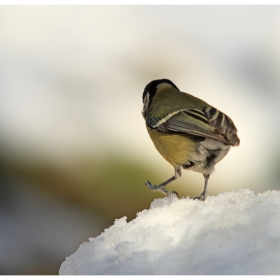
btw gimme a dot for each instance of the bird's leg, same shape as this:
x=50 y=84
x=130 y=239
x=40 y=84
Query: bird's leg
x=161 y=187
x=202 y=197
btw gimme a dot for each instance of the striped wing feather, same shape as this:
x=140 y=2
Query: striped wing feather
x=208 y=122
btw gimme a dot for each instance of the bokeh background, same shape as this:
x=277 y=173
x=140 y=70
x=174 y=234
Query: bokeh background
x=74 y=151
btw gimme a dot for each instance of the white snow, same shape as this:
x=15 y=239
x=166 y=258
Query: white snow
x=236 y=232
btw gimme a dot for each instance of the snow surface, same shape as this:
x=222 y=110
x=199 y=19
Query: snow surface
x=236 y=232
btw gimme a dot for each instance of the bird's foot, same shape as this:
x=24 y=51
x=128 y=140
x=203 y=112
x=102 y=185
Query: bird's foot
x=202 y=197
x=160 y=188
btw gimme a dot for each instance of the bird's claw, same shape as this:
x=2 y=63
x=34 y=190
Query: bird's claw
x=160 y=188
x=201 y=197
x=151 y=186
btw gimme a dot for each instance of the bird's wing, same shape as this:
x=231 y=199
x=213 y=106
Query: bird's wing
x=206 y=122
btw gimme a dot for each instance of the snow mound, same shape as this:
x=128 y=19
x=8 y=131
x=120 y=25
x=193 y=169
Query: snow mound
x=236 y=232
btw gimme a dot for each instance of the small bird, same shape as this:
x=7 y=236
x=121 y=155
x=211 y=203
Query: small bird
x=189 y=133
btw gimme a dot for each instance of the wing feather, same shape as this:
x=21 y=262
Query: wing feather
x=208 y=122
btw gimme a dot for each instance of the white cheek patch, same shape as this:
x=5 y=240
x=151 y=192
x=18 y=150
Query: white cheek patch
x=146 y=103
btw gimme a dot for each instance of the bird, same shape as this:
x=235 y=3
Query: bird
x=189 y=133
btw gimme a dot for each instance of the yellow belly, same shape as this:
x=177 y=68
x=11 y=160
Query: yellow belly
x=177 y=149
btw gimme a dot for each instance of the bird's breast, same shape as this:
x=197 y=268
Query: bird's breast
x=191 y=152
x=177 y=148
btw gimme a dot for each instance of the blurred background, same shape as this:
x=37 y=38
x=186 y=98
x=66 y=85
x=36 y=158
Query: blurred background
x=74 y=150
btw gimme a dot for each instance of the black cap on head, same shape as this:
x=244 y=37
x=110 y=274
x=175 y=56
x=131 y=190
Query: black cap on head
x=153 y=85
